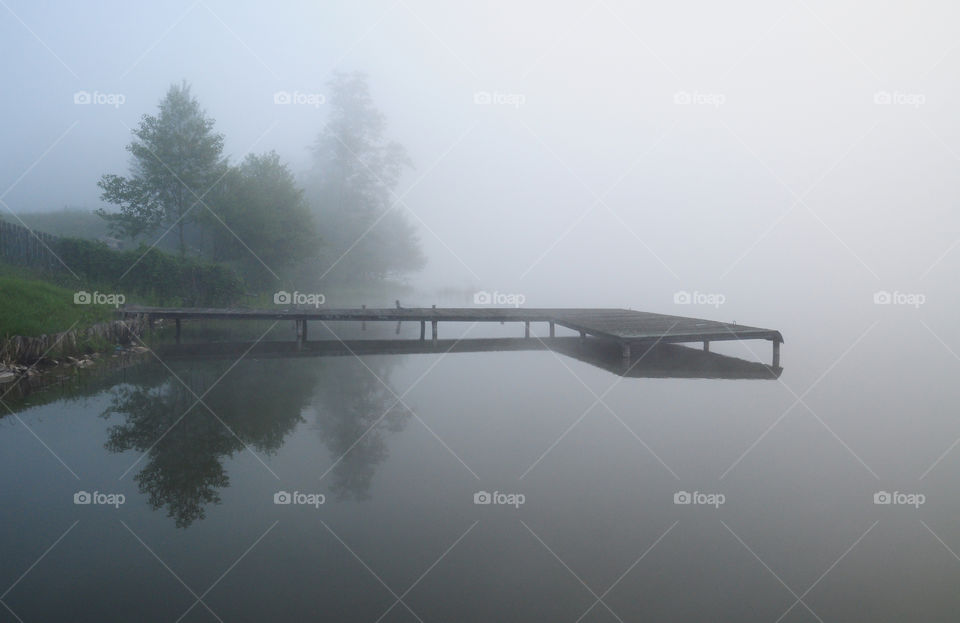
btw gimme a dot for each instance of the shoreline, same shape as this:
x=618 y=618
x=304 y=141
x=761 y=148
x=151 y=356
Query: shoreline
x=26 y=357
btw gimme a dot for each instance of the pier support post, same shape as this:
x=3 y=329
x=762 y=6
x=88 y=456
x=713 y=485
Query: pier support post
x=552 y=330
x=625 y=353
x=363 y=324
x=526 y=330
x=706 y=346
x=423 y=330
x=433 y=326
x=583 y=335
x=178 y=330
x=776 y=353
x=303 y=331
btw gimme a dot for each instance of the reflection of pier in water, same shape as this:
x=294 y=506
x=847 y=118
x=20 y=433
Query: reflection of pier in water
x=650 y=361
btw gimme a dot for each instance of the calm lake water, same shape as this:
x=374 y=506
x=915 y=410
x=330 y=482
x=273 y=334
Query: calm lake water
x=586 y=466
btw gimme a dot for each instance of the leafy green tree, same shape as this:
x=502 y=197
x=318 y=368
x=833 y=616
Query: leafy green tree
x=261 y=220
x=176 y=160
x=351 y=188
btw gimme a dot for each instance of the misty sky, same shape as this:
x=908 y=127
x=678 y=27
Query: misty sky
x=604 y=153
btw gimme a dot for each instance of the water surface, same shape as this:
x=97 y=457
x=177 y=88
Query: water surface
x=399 y=445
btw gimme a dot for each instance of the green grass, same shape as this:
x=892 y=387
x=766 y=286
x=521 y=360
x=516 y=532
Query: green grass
x=31 y=307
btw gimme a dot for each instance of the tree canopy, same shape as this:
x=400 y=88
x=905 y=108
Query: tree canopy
x=177 y=159
x=260 y=220
x=351 y=188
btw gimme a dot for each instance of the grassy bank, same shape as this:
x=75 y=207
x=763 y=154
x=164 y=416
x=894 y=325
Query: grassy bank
x=31 y=307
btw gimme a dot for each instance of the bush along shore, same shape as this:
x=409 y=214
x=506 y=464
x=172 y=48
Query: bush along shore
x=22 y=356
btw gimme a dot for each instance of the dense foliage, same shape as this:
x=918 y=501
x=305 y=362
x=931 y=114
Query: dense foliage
x=260 y=221
x=154 y=275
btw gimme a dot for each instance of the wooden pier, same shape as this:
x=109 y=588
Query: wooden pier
x=625 y=327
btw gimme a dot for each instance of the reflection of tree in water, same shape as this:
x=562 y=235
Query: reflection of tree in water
x=260 y=402
x=256 y=404
x=351 y=405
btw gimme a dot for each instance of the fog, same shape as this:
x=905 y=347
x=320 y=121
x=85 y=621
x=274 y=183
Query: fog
x=592 y=181
x=794 y=158
x=787 y=165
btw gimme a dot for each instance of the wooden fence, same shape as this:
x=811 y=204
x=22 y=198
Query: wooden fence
x=19 y=245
